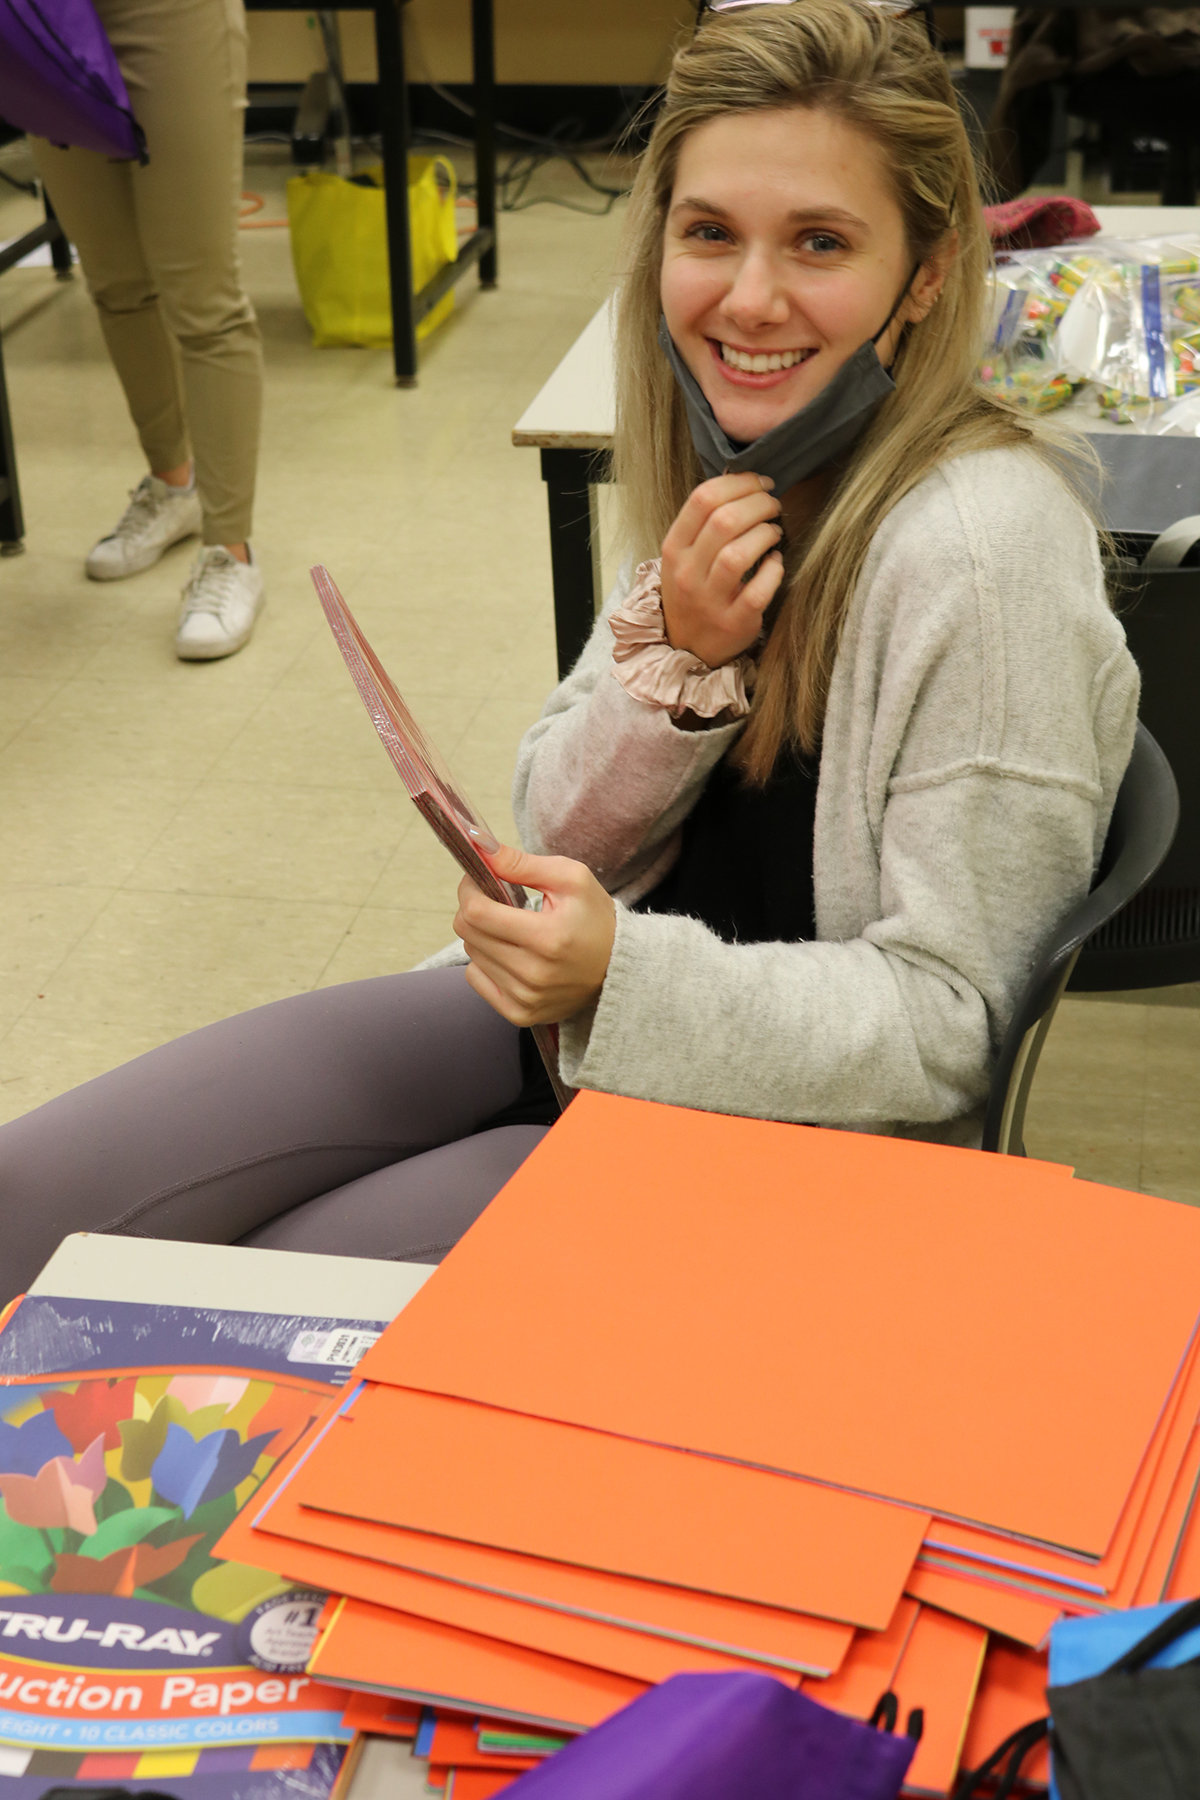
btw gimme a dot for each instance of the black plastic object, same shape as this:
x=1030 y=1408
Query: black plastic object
x=1155 y=941
x=1143 y=826
x=1133 y=1729
x=104 y=1793
x=312 y=125
x=1130 y=1733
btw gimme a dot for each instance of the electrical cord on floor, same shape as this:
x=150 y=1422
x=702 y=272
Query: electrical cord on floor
x=512 y=181
x=530 y=150
x=551 y=141
x=533 y=149
x=246 y=219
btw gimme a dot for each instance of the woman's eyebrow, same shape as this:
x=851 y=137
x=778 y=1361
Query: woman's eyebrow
x=822 y=215
x=692 y=203
x=808 y=215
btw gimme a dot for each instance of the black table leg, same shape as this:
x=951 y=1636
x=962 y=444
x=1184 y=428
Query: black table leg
x=393 y=115
x=60 y=247
x=483 y=71
x=570 y=476
x=12 y=522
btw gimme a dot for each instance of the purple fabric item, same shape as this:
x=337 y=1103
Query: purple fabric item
x=723 y=1737
x=59 y=78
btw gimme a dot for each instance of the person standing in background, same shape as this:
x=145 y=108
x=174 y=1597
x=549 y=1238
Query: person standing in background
x=158 y=245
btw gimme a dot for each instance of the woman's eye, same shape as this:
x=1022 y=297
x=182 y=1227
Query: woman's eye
x=708 y=234
x=823 y=242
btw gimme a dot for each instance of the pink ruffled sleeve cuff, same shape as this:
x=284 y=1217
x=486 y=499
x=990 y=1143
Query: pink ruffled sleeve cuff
x=652 y=671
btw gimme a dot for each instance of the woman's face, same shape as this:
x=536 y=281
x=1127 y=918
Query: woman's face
x=784 y=252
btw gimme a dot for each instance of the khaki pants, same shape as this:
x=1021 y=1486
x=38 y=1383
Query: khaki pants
x=159 y=248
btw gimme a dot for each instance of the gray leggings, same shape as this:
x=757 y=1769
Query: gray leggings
x=345 y=1121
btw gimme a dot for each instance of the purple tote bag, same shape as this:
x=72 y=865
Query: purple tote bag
x=60 y=80
x=723 y=1737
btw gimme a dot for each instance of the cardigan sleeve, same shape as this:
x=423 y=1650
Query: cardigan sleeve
x=893 y=1025
x=606 y=778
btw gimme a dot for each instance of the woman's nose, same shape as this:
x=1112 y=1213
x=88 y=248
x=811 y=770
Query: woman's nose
x=759 y=295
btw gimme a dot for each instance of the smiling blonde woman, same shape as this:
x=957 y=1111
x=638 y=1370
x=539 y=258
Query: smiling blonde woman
x=842 y=747
x=843 y=751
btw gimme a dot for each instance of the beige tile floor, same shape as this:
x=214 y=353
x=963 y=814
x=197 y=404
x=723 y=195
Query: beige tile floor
x=180 y=841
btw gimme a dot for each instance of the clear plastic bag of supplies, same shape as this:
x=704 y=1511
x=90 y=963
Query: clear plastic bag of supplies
x=1133 y=329
x=1031 y=293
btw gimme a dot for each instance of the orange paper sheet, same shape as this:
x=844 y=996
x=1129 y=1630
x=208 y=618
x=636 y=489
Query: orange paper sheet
x=437 y=1665
x=794 y=1642
x=455 y=1746
x=384 y=1717
x=928 y=1660
x=1117 y=1575
x=750 y=1284
x=583 y=1497
x=639 y=1655
x=1184 y=1580
x=1015 y=1615
x=939 y=1673
x=870 y=1668
x=1165 y=1551
x=1136 y=1568
x=1012 y=1692
x=1183 y=1577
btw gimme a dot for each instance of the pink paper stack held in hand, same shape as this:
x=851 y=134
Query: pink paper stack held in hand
x=700 y=1394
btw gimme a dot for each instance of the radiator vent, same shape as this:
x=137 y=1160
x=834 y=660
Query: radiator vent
x=1157 y=917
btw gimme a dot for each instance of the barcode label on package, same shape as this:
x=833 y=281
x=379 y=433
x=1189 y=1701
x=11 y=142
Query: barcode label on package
x=342 y=1349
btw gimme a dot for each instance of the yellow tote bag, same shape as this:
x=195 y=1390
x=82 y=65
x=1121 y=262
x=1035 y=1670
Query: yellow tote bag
x=339 y=248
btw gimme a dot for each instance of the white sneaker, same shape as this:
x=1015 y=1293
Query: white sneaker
x=157 y=517
x=221 y=601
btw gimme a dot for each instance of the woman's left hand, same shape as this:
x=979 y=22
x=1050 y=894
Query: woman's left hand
x=537 y=968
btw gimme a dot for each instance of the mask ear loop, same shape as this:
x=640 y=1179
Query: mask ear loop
x=901 y=297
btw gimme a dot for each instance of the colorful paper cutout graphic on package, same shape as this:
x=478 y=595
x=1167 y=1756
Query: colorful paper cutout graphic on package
x=130 y=1437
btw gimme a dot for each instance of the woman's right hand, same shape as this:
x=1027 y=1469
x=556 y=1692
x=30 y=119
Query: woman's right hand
x=724 y=527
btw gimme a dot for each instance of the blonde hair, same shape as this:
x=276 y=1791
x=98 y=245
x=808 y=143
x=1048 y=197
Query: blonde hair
x=879 y=72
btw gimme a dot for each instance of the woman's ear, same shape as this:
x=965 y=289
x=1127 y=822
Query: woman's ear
x=930 y=278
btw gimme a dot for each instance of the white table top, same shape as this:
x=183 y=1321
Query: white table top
x=576 y=409
x=91 y=1265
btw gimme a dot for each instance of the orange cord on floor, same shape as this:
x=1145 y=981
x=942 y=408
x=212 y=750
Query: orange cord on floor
x=246 y=219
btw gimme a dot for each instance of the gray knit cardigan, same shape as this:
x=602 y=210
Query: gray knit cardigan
x=980 y=717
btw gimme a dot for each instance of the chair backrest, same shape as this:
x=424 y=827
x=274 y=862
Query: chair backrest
x=1143 y=825
x=1156 y=941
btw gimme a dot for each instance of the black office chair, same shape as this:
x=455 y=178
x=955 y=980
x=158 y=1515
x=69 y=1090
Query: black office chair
x=1155 y=941
x=1143 y=826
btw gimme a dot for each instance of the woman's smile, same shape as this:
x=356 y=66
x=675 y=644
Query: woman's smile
x=757 y=368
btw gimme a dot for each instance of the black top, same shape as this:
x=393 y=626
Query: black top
x=745 y=867
x=745 y=870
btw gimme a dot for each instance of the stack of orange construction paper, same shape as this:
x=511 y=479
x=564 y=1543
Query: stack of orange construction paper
x=702 y=1393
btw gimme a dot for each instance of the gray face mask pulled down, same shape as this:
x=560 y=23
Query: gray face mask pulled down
x=808 y=441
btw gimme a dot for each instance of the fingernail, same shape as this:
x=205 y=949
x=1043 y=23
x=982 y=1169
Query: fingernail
x=766 y=481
